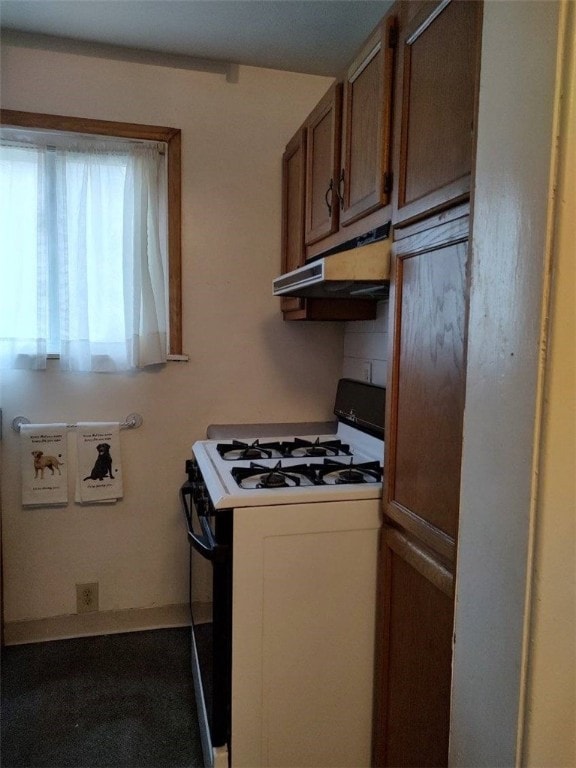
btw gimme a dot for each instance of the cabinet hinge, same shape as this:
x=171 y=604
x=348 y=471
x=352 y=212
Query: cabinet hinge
x=393 y=36
x=387 y=183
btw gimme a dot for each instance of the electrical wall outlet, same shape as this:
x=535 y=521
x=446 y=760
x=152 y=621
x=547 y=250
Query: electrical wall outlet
x=86 y=597
x=366 y=368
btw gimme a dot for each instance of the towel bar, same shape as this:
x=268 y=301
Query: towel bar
x=132 y=421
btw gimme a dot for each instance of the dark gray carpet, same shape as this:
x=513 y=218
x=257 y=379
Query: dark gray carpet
x=115 y=701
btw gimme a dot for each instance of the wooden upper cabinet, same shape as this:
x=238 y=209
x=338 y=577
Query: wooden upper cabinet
x=437 y=92
x=323 y=166
x=365 y=179
x=293 y=190
x=293 y=250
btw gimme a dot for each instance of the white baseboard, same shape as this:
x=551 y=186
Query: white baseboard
x=96 y=623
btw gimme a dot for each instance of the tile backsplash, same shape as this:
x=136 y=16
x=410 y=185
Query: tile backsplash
x=366 y=347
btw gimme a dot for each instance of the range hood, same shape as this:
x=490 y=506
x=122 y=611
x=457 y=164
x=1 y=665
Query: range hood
x=361 y=273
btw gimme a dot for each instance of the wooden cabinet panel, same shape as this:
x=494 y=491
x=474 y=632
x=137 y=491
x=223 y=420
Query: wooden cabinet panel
x=293 y=250
x=437 y=93
x=427 y=384
x=430 y=388
x=293 y=187
x=425 y=407
x=414 y=670
x=333 y=309
x=436 y=87
x=365 y=177
x=323 y=166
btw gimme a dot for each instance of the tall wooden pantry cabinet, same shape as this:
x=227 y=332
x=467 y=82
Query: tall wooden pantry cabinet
x=435 y=98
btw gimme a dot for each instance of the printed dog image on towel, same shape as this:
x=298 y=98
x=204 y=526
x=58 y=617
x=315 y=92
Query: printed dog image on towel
x=99 y=466
x=42 y=462
x=103 y=465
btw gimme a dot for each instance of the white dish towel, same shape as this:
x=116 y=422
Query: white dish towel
x=44 y=464
x=99 y=468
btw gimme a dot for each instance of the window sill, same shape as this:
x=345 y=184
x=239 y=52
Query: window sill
x=177 y=358
x=169 y=358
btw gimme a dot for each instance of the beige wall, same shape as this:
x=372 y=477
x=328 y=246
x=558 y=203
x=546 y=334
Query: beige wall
x=551 y=696
x=245 y=364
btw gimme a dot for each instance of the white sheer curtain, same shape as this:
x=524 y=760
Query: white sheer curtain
x=82 y=255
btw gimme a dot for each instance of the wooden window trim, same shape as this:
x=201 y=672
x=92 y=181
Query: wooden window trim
x=172 y=137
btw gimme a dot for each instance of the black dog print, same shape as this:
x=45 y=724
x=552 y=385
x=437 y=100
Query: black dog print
x=103 y=465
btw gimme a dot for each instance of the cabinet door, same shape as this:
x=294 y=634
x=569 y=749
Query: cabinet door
x=425 y=407
x=293 y=190
x=426 y=386
x=303 y=635
x=440 y=53
x=323 y=161
x=412 y=721
x=365 y=180
x=293 y=250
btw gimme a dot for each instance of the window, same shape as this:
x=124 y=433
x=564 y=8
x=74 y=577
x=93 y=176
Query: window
x=89 y=243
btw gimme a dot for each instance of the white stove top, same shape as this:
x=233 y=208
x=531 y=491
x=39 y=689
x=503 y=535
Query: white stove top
x=225 y=492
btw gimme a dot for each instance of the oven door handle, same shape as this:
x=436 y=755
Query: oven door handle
x=206 y=545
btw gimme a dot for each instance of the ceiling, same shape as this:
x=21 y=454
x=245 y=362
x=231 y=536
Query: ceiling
x=313 y=36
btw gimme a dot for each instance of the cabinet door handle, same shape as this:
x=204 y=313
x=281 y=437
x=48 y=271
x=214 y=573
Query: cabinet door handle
x=341 y=189
x=329 y=191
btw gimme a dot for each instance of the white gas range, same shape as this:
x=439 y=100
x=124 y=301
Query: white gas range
x=291 y=470
x=290 y=524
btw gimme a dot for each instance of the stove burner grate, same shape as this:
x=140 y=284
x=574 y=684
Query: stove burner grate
x=257 y=476
x=300 y=448
x=331 y=472
x=350 y=476
x=237 y=450
x=337 y=473
x=276 y=480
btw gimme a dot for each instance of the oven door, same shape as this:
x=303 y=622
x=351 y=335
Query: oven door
x=210 y=535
